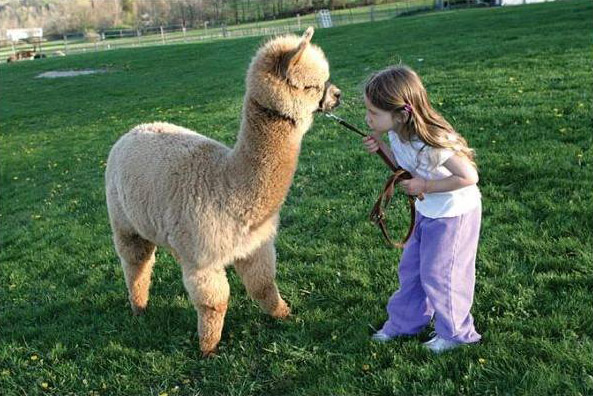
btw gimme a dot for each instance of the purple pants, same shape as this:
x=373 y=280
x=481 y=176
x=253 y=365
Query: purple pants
x=437 y=277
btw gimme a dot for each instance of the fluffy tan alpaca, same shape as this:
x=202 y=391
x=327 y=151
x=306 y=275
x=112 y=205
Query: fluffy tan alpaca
x=213 y=206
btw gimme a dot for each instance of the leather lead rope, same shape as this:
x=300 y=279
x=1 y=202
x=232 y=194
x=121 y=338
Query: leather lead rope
x=377 y=215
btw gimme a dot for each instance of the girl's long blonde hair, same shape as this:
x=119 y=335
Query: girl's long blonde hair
x=399 y=89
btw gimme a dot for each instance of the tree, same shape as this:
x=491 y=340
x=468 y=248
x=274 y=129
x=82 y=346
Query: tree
x=235 y=10
x=129 y=14
x=63 y=16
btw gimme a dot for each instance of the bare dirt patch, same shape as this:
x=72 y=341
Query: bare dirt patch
x=69 y=73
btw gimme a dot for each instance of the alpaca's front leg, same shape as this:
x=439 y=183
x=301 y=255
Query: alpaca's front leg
x=209 y=292
x=258 y=272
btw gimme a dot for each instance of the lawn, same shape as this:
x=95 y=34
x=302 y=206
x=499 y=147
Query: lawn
x=516 y=82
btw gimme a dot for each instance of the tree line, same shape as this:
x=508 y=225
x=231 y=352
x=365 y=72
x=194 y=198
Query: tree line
x=66 y=16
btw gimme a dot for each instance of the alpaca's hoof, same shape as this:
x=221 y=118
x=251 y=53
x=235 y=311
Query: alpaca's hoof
x=282 y=311
x=208 y=346
x=138 y=311
x=209 y=353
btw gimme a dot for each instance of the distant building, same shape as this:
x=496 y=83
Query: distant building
x=15 y=35
x=521 y=2
x=324 y=18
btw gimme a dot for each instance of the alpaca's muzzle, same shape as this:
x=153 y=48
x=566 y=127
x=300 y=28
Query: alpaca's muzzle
x=330 y=99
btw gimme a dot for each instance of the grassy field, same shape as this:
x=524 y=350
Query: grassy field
x=515 y=81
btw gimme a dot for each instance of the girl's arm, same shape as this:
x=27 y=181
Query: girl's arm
x=463 y=175
x=373 y=143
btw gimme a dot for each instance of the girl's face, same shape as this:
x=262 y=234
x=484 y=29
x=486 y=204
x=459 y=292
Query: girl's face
x=378 y=120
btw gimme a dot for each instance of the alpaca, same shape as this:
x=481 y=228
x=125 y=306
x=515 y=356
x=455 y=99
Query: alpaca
x=213 y=206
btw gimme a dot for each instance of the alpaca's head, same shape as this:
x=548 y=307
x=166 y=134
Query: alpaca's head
x=289 y=75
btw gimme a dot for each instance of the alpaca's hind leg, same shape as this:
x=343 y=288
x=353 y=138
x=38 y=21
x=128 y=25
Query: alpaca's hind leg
x=137 y=259
x=209 y=292
x=258 y=272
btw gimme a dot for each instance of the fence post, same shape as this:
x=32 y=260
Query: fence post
x=162 y=35
x=184 y=39
x=138 y=36
x=372 y=13
x=66 y=44
x=299 y=20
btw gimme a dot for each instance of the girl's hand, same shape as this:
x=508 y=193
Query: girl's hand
x=415 y=186
x=370 y=143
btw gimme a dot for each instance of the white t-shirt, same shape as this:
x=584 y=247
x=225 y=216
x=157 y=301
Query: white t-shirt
x=427 y=162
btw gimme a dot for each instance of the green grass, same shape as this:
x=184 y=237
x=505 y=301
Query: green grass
x=515 y=81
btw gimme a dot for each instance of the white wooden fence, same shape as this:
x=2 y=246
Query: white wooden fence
x=165 y=35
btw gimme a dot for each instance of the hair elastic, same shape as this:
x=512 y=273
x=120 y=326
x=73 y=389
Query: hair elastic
x=408 y=107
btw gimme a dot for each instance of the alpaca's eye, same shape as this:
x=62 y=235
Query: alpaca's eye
x=312 y=87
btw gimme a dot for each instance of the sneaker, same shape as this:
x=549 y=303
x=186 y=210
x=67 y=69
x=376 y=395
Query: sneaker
x=380 y=336
x=438 y=344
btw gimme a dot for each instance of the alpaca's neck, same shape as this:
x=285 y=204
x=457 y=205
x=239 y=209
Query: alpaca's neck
x=263 y=162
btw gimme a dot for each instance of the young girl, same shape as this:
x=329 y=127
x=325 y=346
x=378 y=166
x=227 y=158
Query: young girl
x=437 y=267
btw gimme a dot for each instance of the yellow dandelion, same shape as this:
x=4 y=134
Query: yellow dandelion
x=366 y=367
x=34 y=357
x=44 y=385
x=163 y=394
x=482 y=360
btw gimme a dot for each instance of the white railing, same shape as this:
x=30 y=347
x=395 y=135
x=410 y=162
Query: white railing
x=163 y=35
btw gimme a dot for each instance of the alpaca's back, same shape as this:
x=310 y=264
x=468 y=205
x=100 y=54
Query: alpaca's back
x=157 y=174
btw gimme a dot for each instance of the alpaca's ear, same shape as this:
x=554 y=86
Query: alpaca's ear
x=305 y=40
x=308 y=35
